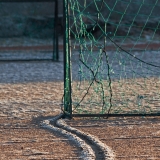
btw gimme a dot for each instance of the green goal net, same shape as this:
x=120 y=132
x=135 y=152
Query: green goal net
x=112 y=57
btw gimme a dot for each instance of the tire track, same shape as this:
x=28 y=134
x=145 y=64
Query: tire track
x=87 y=152
x=92 y=147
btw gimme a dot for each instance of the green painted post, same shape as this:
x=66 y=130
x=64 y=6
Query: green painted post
x=67 y=62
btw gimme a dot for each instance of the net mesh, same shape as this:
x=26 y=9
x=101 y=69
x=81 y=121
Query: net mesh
x=115 y=56
x=28 y=30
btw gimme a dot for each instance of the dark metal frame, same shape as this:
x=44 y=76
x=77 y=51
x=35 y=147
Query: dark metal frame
x=67 y=77
x=55 y=56
x=115 y=115
x=67 y=62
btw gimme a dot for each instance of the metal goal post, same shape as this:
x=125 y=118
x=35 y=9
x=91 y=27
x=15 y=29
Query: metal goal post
x=52 y=24
x=111 y=58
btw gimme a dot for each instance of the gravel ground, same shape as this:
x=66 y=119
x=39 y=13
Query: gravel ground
x=129 y=138
x=30 y=91
x=24 y=139
x=22 y=107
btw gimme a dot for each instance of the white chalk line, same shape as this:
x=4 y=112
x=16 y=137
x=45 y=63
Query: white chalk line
x=87 y=152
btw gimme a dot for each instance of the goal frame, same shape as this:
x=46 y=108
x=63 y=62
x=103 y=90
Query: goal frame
x=55 y=53
x=67 y=98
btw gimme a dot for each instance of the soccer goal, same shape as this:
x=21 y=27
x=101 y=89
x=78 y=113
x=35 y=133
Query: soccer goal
x=29 y=30
x=112 y=57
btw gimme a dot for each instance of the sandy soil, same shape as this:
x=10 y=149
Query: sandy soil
x=30 y=91
x=22 y=138
x=125 y=96
x=130 y=138
x=22 y=107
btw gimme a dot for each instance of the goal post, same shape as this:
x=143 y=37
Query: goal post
x=111 y=58
x=67 y=61
x=28 y=33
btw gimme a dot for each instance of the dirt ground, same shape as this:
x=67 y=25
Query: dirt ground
x=22 y=138
x=130 y=138
x=32 y=91
x=22 y=107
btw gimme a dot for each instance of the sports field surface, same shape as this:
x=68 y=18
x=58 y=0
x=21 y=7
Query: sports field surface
x=31 y=93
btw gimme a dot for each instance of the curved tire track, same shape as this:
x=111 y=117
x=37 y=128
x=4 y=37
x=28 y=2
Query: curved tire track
x=92 y=147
